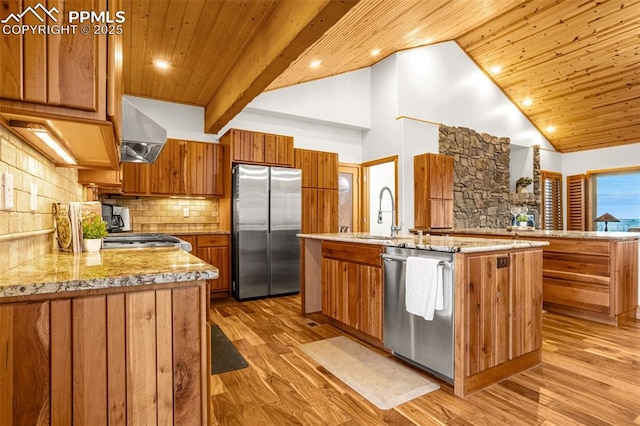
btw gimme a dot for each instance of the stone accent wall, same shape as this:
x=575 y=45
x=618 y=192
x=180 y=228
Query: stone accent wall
x=481 y=177
x=25 y=235
x=166 y=214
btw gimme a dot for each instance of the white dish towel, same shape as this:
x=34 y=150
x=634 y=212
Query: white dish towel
x=424 y=287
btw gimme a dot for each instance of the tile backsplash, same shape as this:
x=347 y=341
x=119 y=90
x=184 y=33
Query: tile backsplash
x=167 y=214
x=26 y=234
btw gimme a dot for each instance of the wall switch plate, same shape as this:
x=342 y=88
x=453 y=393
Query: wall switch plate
x=7 y=193
x=185 y=212
x=34 y=197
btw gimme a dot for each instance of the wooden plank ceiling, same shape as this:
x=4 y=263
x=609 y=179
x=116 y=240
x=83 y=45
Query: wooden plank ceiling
x=577 y=60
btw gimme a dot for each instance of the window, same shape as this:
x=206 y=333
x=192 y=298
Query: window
x=551 y=200
x=617 y=192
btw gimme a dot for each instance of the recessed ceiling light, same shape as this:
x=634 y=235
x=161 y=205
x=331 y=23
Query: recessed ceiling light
x=428 y=40
x=159 y=63
x=375 y=52
x=527 y=102
x=551 y=129
x=495 y=70
x=315 y=64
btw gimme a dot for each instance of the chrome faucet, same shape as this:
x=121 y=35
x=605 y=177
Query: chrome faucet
x=394 y=225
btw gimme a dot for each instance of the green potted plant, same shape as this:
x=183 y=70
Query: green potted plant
x=94 y=229
x=522 y=220
x=522 y=183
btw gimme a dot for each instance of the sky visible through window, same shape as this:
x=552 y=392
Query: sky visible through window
x=619 y=195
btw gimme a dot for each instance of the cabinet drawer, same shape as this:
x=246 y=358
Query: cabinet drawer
x=365 y=254
x=599 y=248
x=213 y=240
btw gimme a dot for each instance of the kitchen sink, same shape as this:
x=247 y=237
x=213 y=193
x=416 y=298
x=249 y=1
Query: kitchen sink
x=373 y=237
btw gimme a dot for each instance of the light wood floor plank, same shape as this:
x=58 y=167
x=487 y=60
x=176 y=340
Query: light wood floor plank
x=590 y=374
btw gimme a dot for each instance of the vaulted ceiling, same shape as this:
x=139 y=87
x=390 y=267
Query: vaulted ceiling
x=577 y=61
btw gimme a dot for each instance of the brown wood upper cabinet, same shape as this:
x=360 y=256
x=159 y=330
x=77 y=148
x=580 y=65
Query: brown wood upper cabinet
x=319 y=190
x=433 y=191
x=50 y=79
x=182 y=168
x=259 y=148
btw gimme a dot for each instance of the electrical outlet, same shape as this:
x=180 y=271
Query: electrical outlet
x=185 y=212
x=34 y=197
x=503 y=262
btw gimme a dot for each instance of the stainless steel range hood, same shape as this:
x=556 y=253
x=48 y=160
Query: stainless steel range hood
x=142 y=138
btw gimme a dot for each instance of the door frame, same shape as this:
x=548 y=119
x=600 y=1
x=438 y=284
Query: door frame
x=365 y=198
x=356 y=171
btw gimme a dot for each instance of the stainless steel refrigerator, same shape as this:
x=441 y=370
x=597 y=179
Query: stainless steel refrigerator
x=266 y=218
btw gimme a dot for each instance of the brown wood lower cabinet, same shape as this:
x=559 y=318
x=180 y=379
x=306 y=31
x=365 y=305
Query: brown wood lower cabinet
x=138 y=357
x=352 y=286
x=214 y=249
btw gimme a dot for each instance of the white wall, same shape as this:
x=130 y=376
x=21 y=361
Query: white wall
x=550 y=161
x=598 y=159
x=181 y=121
x=343 y=99
x=520 y=164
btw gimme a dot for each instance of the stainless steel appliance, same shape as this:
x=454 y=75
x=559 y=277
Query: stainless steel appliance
x=112 y=216
x=142 y=138
x=427 y=344
x=266 y=218
x=133 y=240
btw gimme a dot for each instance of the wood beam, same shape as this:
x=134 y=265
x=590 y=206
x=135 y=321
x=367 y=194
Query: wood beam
x=292 y=27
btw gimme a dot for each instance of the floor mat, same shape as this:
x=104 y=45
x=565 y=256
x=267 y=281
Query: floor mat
x=382 y=381
x=224 y=356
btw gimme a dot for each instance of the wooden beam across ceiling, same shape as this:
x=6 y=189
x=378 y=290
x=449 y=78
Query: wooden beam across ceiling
x=292 y=27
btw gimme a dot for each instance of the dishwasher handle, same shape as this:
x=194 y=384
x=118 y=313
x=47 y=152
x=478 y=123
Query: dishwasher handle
x=396 y=258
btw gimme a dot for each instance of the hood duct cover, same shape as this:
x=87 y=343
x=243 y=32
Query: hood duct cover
x=142 y=138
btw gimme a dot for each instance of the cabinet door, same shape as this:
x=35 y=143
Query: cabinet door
x=340 y=291
x=486 y=313
x=370 y=318
x=309 y=211
x=433 y=191
x=526 y=295
x=218 y=257
x=327 y=210
x=278 y=150
x=25 y=372
x=247 y=146
x=327 y=170
x=167 y=174
x=307 y=161
x=440 y=213
x=204 y=169
x=135 y=178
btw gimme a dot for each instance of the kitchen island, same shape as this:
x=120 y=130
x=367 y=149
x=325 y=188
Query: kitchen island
x=117 y=336
x=497 y=299
x=586 y=274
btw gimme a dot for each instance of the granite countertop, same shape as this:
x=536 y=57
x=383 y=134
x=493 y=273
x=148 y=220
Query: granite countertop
x=176 y=233
x=539 y=233
x=61 y=272
x=433 y=243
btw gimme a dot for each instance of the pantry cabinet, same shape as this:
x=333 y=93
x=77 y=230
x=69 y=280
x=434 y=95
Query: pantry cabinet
x=71 y=83
x=352 y=286
x=433 y=191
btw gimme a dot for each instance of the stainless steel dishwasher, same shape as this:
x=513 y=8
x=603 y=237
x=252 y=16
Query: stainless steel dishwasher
x=428 y=344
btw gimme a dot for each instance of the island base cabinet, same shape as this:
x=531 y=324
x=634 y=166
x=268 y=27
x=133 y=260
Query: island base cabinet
x=499 y=325
x=125 y=358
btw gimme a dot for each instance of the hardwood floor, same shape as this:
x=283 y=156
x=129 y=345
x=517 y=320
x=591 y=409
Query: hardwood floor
x=590 y=374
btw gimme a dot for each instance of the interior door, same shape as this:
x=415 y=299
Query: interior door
x=348 y=197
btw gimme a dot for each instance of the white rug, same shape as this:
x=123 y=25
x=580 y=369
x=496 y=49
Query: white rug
x=382 y=381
